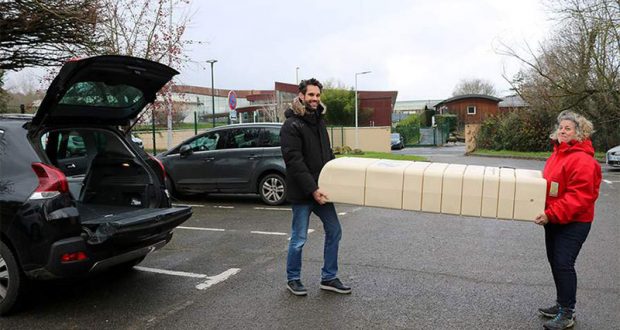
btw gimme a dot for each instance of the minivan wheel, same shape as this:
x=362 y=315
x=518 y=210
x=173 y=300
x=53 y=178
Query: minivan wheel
x=272 y=189
x=11 y=280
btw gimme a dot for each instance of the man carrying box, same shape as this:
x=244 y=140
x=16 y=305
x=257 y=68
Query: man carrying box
x=306 y=149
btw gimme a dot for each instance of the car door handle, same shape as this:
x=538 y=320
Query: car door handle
x=253 y=156
x=70 y=166
x=208 y=159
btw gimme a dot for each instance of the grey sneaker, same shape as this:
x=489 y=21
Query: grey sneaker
x=335 y=285
x=296 y=288
x=563 y=320
x=550 y=311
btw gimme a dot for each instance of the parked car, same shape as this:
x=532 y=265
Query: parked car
x=76 y=196
x=397 y=141
x=240 y=158
x=613 y=156
x=138 y=141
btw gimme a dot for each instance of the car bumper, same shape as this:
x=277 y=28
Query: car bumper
x=95 y=261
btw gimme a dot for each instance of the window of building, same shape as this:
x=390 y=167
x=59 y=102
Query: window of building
x=471 y=110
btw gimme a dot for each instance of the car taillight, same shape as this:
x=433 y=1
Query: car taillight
x=52 y=182
x=74 y=256
x=161 y=167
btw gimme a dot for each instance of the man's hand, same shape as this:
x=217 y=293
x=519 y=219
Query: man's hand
x=320 y=197
x=541 y=219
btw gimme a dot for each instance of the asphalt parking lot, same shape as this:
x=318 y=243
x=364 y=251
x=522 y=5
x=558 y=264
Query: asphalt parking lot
x=225 y=268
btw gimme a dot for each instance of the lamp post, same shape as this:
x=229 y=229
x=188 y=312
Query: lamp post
x=356 y=121
x=297 y=75
x=212 y=91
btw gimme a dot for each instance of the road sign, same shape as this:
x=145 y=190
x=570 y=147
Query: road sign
x=232 y=100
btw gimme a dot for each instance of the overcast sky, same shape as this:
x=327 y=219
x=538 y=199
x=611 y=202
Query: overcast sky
x=419 y=48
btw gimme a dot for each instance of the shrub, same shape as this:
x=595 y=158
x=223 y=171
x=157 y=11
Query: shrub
x=409 y=128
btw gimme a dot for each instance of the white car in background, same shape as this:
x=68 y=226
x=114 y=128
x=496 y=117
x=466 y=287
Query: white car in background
x=613 y=156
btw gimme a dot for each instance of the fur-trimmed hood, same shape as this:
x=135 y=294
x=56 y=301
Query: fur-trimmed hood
x=299 y=108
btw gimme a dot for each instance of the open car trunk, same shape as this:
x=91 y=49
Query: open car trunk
x=118 y=194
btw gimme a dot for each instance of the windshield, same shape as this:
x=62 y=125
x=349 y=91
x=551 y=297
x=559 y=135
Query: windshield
x=100 y=94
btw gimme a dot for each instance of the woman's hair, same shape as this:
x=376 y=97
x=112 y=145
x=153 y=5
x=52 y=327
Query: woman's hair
x=583 y=127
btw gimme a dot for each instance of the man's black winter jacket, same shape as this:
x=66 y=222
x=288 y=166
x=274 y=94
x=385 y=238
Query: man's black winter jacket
x=305 y=148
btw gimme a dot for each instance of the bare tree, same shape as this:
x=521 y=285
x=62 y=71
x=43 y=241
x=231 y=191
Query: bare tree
x=578 y=67
x=148 y=29
x=45 y=33
x=474 y=86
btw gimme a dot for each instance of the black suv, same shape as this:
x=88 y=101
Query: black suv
x=241 y=158
x=76 y=196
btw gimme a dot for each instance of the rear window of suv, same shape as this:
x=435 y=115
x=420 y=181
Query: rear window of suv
x=99 y=94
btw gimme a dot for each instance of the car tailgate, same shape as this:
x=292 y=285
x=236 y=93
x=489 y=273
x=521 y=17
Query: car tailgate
x=135 y=224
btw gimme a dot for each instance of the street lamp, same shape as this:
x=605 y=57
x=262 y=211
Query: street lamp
x=212 y=91
x=356 y=122
x=297 y=75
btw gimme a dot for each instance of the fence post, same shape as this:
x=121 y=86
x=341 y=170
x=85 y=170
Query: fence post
x=153 y=130
x=195 y=123
x=342 y=144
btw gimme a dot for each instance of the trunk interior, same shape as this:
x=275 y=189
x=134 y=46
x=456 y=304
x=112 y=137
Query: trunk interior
x=111 y=184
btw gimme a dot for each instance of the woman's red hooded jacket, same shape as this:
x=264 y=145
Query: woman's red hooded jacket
x=573 y=180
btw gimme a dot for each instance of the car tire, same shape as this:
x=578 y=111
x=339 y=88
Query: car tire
x=272 y=189
x=12 y=281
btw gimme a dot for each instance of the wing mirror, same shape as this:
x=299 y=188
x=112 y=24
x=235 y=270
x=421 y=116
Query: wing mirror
x=185 y=151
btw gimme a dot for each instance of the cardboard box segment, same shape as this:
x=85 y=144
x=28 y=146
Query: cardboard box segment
x=530 y=194
x=506 y=196
x=452 y=189
x=490 y=192
x=432 y=187
x=344 y=179
x=471 y=203
x=384 y=183
x=412 y=186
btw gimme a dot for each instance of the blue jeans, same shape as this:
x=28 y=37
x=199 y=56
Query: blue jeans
x=299 y=235
x=563 y=244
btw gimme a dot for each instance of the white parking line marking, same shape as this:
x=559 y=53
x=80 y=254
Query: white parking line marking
x=192 y=205
x=199 y=228
x=212 y=280
x=272 y=208
x=342 y=213
x=310 y=231
x=607 y=181
x=267 y=233
x=170 y=272
x=223 y=207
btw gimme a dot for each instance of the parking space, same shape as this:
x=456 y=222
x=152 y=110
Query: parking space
x=225 y=268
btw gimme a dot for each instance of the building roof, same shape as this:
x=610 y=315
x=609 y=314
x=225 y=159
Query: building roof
x=414 y=105
x=469 y=96
x=513 y=101
x=218 y=92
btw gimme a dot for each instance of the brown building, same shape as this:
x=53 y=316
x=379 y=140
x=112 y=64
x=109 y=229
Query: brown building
x=382 y=104
x=470 y=108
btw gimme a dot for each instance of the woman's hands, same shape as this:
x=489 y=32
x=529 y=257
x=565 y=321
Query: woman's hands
x=541 y=219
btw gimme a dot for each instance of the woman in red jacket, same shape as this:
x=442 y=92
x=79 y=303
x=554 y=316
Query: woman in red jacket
x=573 y=179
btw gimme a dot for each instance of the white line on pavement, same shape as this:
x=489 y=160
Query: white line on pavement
x=192 y=205
x=342 y=213
x=267 y=233
x=199 y=228
x=170 y=272
x=223 y=207
x=310 y=231
x=272 y=208
x=212 y=280
x=607 y=181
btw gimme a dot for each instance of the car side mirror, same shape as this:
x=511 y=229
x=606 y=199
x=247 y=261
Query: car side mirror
x=185 y=151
